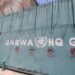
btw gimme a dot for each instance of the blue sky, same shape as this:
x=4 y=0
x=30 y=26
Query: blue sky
x=44 y=1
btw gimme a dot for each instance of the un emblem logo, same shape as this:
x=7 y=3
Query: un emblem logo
x=41 y=41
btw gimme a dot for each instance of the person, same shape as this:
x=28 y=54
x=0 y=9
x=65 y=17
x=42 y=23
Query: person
x=40 y=2
x=9 y=6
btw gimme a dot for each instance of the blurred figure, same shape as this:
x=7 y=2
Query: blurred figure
x=9 y=6
x=44 y=1
x=8 y=72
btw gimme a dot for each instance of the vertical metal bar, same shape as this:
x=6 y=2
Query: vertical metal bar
x=52 y=17
x=22 y=18
x=11 y=17
x=72 y=6
x=35 y=21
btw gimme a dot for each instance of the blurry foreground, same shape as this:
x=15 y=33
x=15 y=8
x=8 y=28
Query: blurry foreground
x=9 y=6
x=7 y=72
